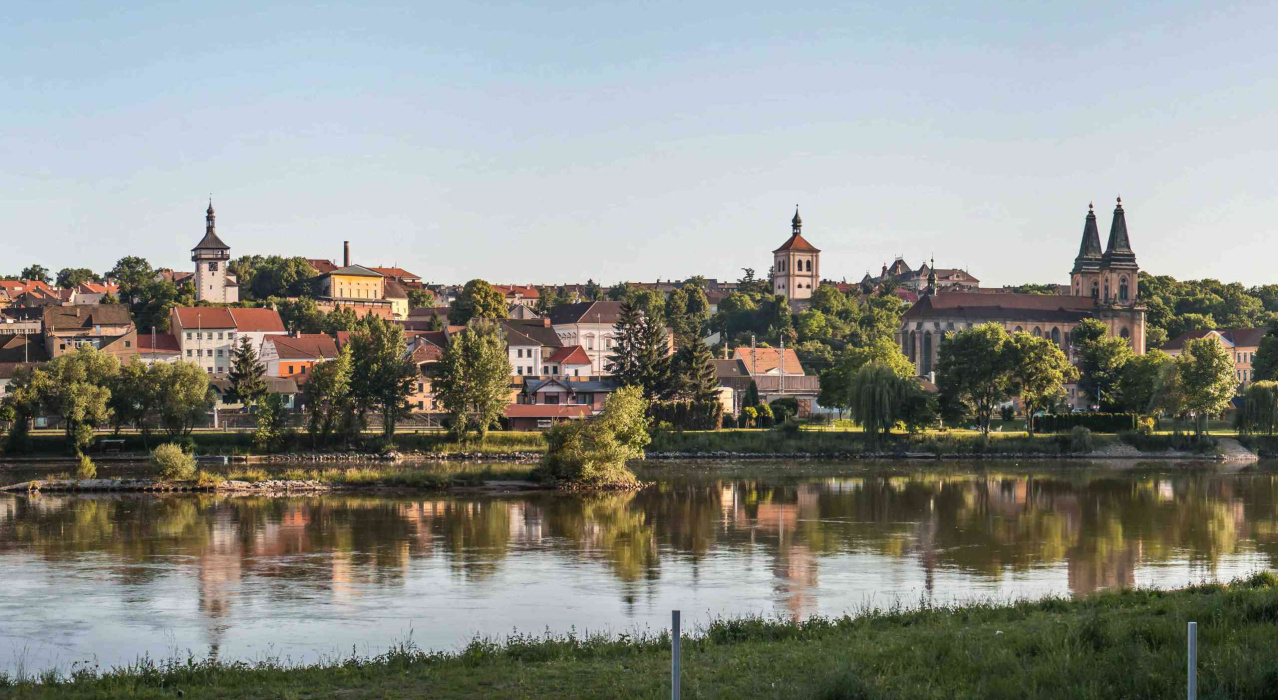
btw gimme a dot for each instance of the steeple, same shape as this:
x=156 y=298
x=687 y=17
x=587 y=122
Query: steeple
x=1118 y=252
x=211 y=245
x=931 y=277
x=209 y=218
x=1089 y=251
x=796 y=224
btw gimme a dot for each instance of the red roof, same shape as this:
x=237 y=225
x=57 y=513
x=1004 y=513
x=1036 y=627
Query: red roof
x=95 y=288
x=764 y=360
x=258 y=320
x=307 y=346
x=798 y=242
x=571 y=355
x=520 y=410
x=1233 y=337
x=204 y=317
x=321 y=266
x=164 y=343
x=396 y=272
x=512 y=290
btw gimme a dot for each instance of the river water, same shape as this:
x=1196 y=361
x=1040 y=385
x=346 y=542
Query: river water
x=109 y=578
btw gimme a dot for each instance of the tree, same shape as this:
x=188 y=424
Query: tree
x=1039 y=373
x=592 y=291
x=247 y=375
x=547 y=299
x=76 y=388
x=827 y=299
x=300 y=315
x=688 y=310
x=1207 y=379
x=18 y=407
x=1138 y=381
x=975 y=367
x=474 y=379
x=696 y=378
x=132 y=273
x=1259 y=414
x=877 y=397
x=263 y=277
x=184 y=396
x=328 y=396
x=627 y=338
x=339 y=320
x=69 y=277
x=36 y=273
x=1100 y=361
x=271 y=416
x=1264 y=366
x=134 y=397
x=593 y=452
x=478 y=299
x=151 y=302
x=654 y=358
x=382 y=372
x=421 y=299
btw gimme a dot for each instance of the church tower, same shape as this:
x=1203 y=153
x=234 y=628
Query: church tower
x=1085 y=277
x=211 y=255
x=796 y=265
x=1118 y=275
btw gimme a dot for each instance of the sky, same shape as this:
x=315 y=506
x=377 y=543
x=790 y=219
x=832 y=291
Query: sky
x=640 y=141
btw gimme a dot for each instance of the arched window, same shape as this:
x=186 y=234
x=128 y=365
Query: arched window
x=927 y=352
x=1095 y=289
x=914 y=339
x=1122 y=289
x=1056 y=336
x=1019 y=330
x=809 y=266
x=1125 y=336
x=1038 y=332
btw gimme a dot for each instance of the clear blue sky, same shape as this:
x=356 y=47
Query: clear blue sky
x=640 y=140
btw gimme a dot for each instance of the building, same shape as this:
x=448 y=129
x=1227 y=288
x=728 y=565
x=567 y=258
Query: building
x=295 y=355
x=590 y=324
x=213 y=282
x=108 y=328
x=382 y=291
x=426 y=349
x=1103 y=287
x=570 y=361
x=519 y=295
x=778 y=374
x=541 y=416
x=155 y=348
x=22 y=348
x=947 y=279
x=18 y=320
x=557 y=391
x=796 y=265
x=1240 y=343
x=209 y=335
x=95 y=292
x=529 y=344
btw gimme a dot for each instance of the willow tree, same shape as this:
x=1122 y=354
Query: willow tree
x=1259 y=414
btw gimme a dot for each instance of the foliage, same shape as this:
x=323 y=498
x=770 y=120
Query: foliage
x=594 y=452
x=421 y=299
x=151 y=300
x=693 y=374
x=641 y=352
x=271 y=415
x=975 y=367
x=1138 y=381
x=76 y=388
x=688 y=310
x=131 y=272
x=263 y=277
x=69 y=277
x=1207 y=379
x=1096 y=422
x=85 y=468
x=382 y=373
x=1264 y=366
x=784 y=408
x=184 y=396
x=688 y=415
x=173 y=463
x=1101 y=359
x=329 y=400
x=36 y=273
x=879 y=399
x=474 y=378
x=478 y=299
x=1080 y=440
x=1039 y=372
x=1259 y=413
x=133 y=397
x=247 y=375
x=1176 y=307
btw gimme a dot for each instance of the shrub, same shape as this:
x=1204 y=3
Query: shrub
x=1080 y=440
x=729 y=421
x=687 y=415
x=1145 y=427
x=1007 y=413
x=173 y=463
x=86 y=469
x=593 y=452
x=1095 y=422
x=784 y=408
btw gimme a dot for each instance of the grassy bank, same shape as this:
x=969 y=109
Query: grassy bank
x=241 y=443
x=435 y=476
x=1126 y=644
x=956 y=442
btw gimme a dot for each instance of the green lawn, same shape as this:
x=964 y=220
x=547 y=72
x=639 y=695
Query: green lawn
x=1126 y=644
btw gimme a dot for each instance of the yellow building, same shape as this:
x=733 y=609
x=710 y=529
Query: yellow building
x=353 y=282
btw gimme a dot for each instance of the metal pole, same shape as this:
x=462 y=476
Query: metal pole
x=1193 y=661
x=674 y=655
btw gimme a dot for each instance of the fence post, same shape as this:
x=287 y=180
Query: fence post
x=1193 y=661
x=674 y=655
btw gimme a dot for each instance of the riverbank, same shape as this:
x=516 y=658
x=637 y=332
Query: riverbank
x=1124 y=644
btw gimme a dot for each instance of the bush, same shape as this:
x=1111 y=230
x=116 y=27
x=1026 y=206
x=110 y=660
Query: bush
x=173 y=463
x=785 y=408
x=593 y=452
x=1080 y=440
x=688 y=415
x=729 y=421
x=86 y=469
x=1095 y=422
x=1007 y=413
x=1145 y=427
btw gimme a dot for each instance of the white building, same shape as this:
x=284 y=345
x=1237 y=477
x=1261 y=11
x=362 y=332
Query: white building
x=796 y=265
x=213 y=282
x=208 y=335
x=590 y=324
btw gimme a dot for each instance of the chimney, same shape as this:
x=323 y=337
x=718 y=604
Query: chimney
x=545 y=322
x=346 y=253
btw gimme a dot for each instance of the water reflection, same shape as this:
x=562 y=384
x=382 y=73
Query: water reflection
x=235 y=574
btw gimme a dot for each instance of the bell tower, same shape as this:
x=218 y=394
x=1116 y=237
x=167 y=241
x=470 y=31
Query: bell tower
x=796 y=265
x=211 y=256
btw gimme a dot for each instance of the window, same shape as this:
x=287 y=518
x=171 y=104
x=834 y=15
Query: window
x=219 y=352
x=188 y=353
x=303 y=369
x=230 y=336
x=1122 y=289
x=519 y=371
x=290 y=369
x=545 y=370
x=1095 y=290
x=128 y=344
x=1056 y=336
x=590 y=342
x=1038 y=332
x=519 y=352
x=421 y=387
x=62 y=346
x=188 y=336
x=210 y=336
x=576 y=373
x=1019 y=330
x=530 y=370
x=552 y=399
x=210 y=369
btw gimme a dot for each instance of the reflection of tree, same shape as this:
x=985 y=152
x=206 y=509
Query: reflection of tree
x=609 y=528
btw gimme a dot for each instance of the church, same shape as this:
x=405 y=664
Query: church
x=1103 y=286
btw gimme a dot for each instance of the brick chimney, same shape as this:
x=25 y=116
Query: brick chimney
x=346 y=253
x=545 y=322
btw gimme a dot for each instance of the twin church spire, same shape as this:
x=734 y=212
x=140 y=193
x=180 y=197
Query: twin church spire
x=1118 y=252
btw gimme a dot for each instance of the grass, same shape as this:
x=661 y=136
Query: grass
x=1122 y=644
x=434 y=476
x=241 y=443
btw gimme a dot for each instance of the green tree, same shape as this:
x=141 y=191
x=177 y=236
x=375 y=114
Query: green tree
x=1264 y=366
x=421 y=299
x=547 y=299
x=271 y=416
x=1039 y=373
x=339 y=320
x=592 y=291
x=328 y=396
x=478 y=299
x=623 y=363
x=184 y=396
x=1259 y=413
x=18 y=407
x=69 y=277
x=264 y=277
x=827 y=299
x=76 y=388
x=382 y=372
x=696 y=380
x=1138 y=381
x=975 y=367
x=1101 y=359
x=132 y=273
x=687 y=310
x=36 y=273
x=874 y=398
x=151 y=303
x=247 y=375
x=594 y=452
x=474 y=380
x=654 y=358
x=133 y=398
x=301 y=315
x=1207 y=379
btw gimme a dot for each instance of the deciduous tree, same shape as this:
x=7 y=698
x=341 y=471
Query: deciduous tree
x=478 y=299
x=975 y=367
x=474 y=379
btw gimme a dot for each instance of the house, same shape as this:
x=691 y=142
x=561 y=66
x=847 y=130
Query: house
x=591 y=325
x=94 y=292
x=899 y=273
x=400 y=275
x=734 y=381
x=284 y=386
x=397 y=294
x=426 y=349
x=108 y=328
x=777 y=373
x=156 y=348
x=528 y=344
x=775 y=361
x=519 y=295
x=558 y=391
x=22 y=348
x=540 y=417
x=209 y=335
x=521 y=312
x=17 y=320
x=295 y=355
x=1240 y=343
x=570 y=361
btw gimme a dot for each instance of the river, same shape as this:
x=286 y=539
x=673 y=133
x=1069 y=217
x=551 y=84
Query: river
x=108 y=578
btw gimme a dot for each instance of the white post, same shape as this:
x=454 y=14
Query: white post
x=674 y=655
x=1193 y=661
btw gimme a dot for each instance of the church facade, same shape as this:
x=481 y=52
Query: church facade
x=1103 y=286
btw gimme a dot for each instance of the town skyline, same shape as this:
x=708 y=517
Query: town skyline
x=472 y=142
